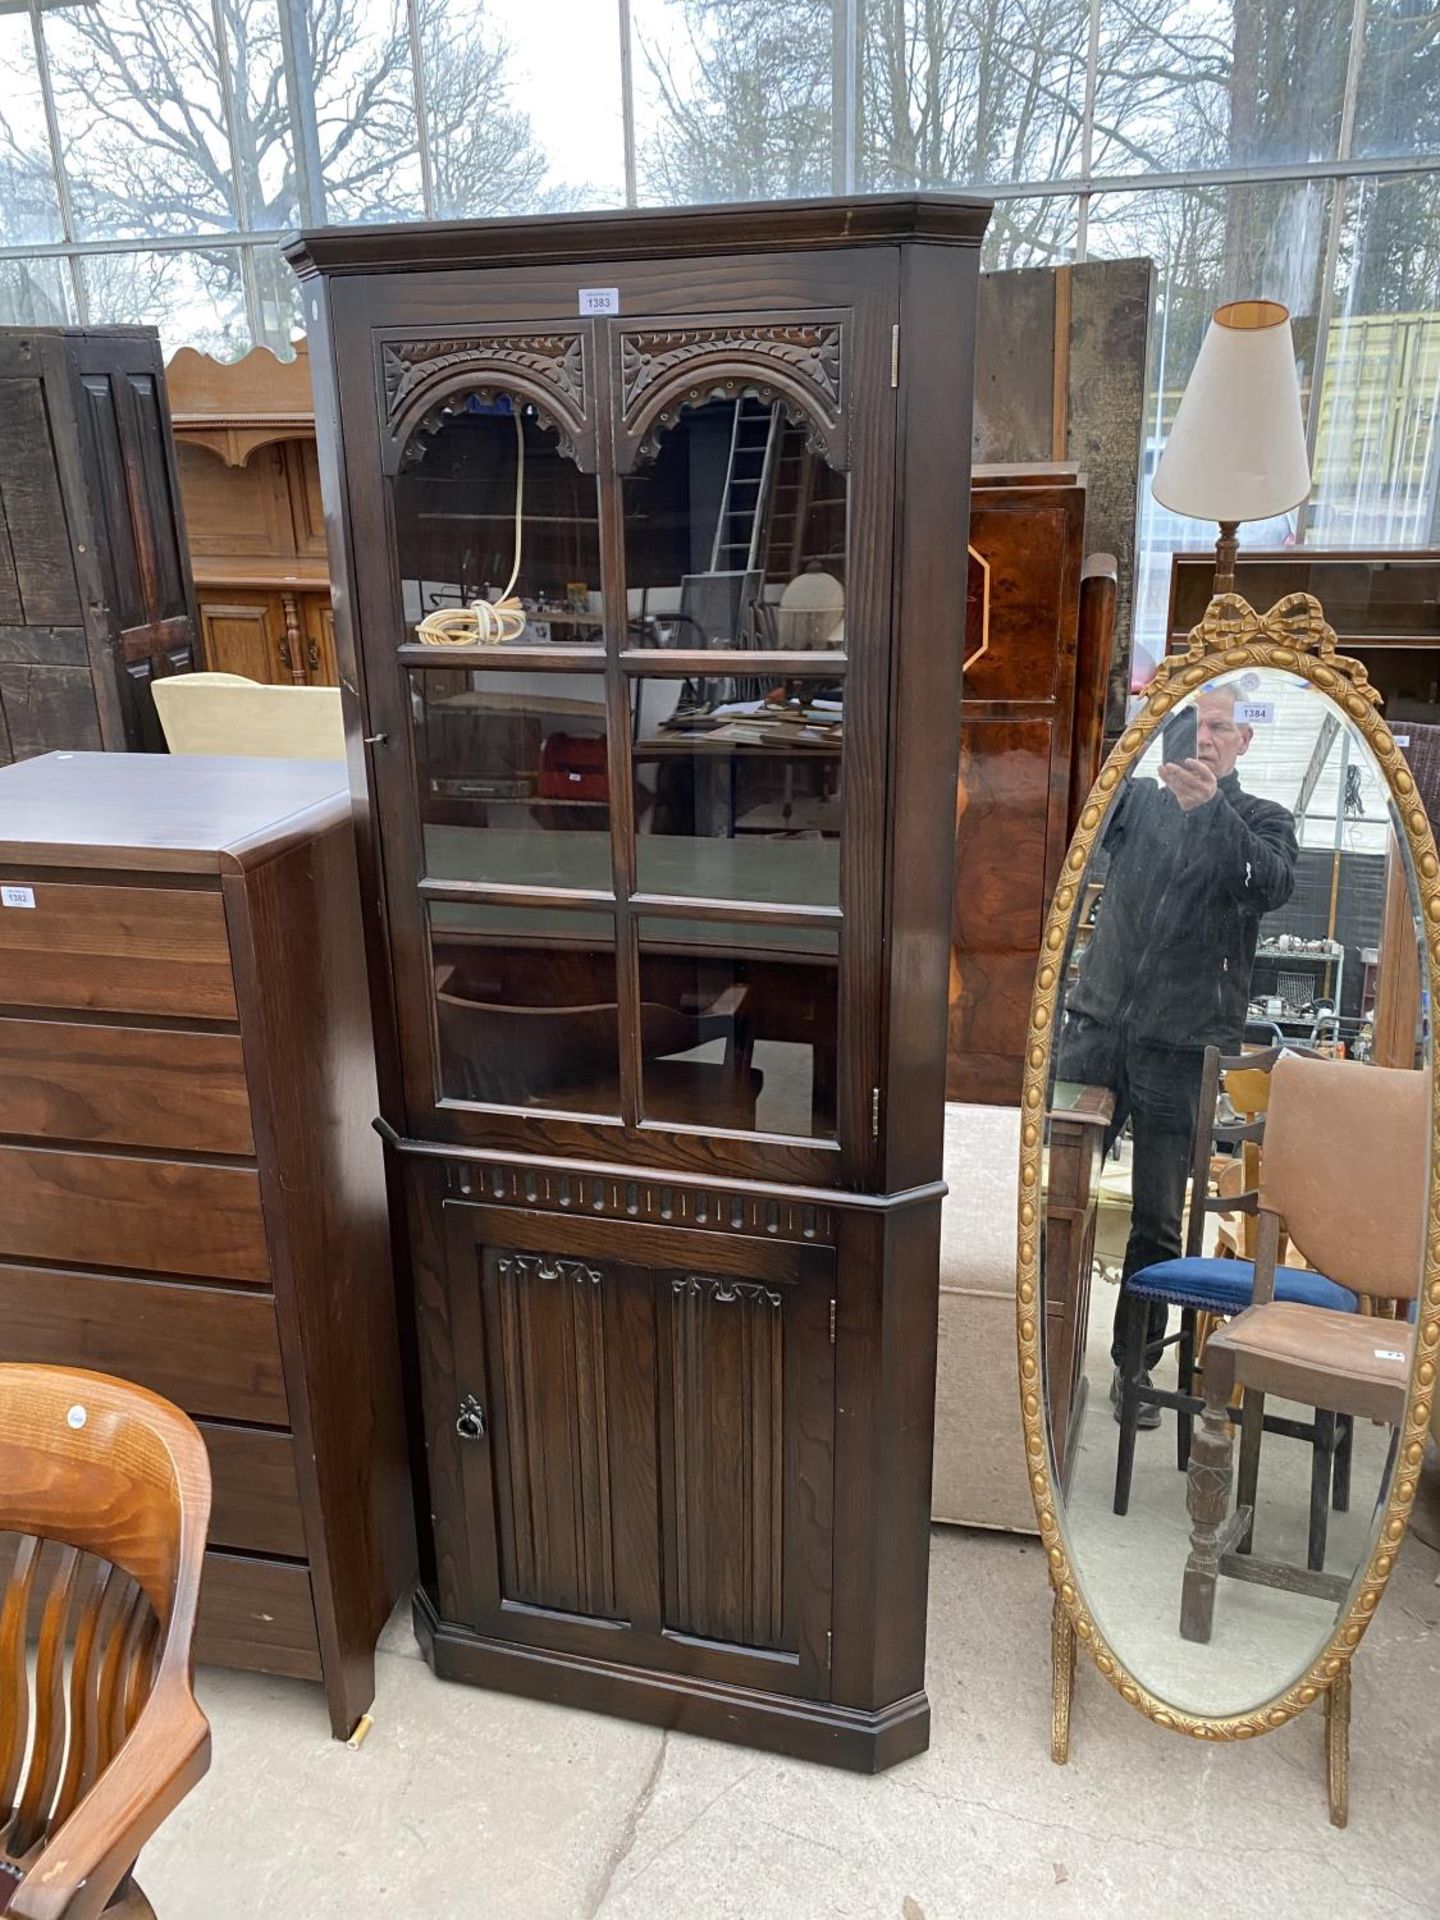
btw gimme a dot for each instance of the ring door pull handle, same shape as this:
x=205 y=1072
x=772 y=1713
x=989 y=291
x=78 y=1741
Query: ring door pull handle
x=470 y=1423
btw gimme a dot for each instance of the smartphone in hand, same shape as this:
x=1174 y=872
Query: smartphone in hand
x=1180 y=737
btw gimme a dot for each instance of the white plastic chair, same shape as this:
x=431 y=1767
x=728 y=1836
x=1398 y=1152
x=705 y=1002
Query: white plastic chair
x=224 y=713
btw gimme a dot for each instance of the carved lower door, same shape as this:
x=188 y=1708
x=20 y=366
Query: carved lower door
x=646 y=1456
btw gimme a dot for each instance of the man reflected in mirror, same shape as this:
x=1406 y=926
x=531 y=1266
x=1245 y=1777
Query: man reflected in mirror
x=1192 y=863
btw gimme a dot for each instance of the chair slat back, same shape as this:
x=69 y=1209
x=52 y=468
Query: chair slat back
x=108 y=1489
x=1347 y=1159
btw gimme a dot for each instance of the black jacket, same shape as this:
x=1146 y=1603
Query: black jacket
x=1174 y=941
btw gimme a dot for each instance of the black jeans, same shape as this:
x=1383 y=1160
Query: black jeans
x=1158 y=1090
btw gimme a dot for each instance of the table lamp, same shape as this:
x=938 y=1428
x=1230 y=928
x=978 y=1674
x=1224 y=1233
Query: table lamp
x=1237 y=448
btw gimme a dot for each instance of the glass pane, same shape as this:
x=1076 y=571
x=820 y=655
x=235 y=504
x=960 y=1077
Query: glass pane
x=365 y=120
x=195 y=299
x=517 y=157
x=35 y=293
x=732 y=99
x=455 y=511
x=1378 y=440
x=277 y=302
x=525 y=1006
x=1209 y=244
x=514 y=782
x=1196 y=83
x=737 y=789
x=735 y=534
x=263 y=146
x=137 y=97
x=739 y=1026
x=1030 y=233
x=958 y=95
x=1397 y=105
x=29 y=204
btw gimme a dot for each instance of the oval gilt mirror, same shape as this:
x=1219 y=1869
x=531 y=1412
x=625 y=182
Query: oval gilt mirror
x=1227 y=1307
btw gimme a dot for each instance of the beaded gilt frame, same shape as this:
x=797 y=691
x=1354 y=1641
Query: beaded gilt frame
x=1294 y=637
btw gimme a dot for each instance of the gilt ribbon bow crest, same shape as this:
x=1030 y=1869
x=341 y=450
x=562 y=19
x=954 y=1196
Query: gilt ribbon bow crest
x=1295 y=625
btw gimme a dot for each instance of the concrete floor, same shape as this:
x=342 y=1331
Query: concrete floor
x=464 y=1804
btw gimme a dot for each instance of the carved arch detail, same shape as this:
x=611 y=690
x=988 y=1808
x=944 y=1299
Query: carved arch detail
x=799 y=364
x=426 y=381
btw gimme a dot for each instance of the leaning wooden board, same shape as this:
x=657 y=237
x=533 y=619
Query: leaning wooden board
x=190 y=1193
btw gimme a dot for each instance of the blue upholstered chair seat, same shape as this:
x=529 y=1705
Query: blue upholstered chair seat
x=1225 y=1286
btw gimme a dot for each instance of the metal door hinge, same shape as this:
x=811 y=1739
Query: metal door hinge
x=470 y=1422
x=895 y=354
x=832 y=1323
x=829 y=1649
x=875 y=1113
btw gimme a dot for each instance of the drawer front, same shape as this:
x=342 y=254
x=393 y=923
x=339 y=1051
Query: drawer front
x=257 y=1614
x=120 y=949
x=163 y=1216
x=255 y=1497
x=215 y=1351
x=124 y=1086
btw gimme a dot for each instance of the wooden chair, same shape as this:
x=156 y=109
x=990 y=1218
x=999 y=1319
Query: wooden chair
x=1208 y=1289
x=1346 y=1165
x=575 y=1046
x=224 y=713
x=108 y=1487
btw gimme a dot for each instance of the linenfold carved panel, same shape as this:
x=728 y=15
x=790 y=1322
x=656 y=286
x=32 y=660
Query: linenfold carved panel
x=800 y=364
x=727 y=1440
x=548 y=369
x=546 y=1331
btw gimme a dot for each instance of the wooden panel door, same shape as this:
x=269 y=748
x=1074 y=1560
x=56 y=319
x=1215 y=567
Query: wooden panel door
x=245 y=633
x=644 y=1453
x=747 y=1418
x=125 y=429
x=47 y=698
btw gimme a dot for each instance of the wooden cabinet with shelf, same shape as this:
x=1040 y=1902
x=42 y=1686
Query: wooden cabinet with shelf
x=245 y=446
x=661 y=965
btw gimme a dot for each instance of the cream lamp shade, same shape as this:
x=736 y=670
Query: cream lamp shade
x=1237 y=448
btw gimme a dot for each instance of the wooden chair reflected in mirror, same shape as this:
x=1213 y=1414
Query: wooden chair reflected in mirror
x=108 y=1488
x=1344 y=1175
x=1207 y=1286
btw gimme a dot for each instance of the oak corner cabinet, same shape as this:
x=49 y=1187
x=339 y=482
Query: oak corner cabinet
x=95 y=592
x=191 y=1193
x=661 y=889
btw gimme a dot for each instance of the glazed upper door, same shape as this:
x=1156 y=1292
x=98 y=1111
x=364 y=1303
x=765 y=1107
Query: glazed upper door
x=134 y=497
x=633 y=851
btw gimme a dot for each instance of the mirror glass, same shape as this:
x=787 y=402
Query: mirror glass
x=1249 y=892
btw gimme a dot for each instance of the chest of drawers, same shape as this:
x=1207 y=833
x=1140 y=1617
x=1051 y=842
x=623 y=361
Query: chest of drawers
x=191 y=1196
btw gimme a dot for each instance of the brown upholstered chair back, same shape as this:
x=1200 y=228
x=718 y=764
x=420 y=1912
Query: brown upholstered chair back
x=1346 y=1162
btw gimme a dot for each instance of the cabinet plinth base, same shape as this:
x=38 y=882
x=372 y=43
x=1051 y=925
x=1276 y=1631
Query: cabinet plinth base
x=863 y=1742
